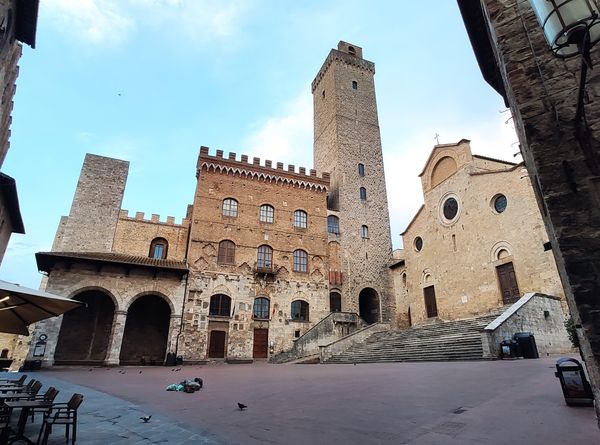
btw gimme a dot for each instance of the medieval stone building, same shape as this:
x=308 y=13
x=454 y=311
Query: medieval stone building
x=477 y=243
x=263 y=254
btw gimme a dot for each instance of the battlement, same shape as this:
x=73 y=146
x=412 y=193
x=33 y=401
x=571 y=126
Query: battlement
x=348 y=54
x=254 y=167
x=140 y=216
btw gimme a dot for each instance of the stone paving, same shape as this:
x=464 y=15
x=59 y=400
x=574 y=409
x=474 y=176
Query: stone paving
x=484 y=402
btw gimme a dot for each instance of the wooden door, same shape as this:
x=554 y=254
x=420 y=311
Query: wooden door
x=261 y=343
x=508 y=283
x=430 y=303
x=216 y=347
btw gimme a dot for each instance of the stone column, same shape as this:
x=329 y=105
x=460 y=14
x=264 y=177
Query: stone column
x=174 y=325
x=116 y=338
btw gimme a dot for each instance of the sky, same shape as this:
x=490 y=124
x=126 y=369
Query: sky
x=150 y=81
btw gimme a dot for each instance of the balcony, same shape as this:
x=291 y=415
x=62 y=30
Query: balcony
x=265 y=269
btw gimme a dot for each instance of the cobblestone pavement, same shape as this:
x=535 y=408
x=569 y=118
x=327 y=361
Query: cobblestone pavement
x=449 y=403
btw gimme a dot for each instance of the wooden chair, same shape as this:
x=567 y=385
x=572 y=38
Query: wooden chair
x=34 y=389
x=62 y=414
x=48 y=396
x=5 y=413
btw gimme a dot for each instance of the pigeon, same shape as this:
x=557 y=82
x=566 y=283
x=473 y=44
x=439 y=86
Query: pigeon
x=146 y=419
x=90 y=369
x=178 y=369
x=241 y=406
x=140 y=372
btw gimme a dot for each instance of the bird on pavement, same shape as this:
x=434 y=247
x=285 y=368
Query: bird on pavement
x=140 y=372
x=241 y=406
x=146 y=419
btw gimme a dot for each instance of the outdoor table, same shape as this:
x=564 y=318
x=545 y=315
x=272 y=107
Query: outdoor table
x=12 y=388
x=15 y=396
x=25 y=406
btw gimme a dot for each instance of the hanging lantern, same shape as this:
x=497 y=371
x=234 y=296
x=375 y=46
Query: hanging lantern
x=566 y=22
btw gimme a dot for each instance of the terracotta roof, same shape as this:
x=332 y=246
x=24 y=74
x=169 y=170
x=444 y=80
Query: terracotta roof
x=46 y=260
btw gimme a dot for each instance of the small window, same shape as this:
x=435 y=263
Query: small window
x=418 y=243
x=299 y=310
x=323 y=94
x=300 y=219
x=361 y=169
x=230 y=207
x=333 y=224
x=363 y=194
x=267 y=213
x=351 y=51
x=226 y=252
x=500 y=203
x=335 y=302
x=364 y=232
x=300 y=261
x=261 y=308
x=158 y=248
x=264 y=259
x=354 y=85
x=220 y=305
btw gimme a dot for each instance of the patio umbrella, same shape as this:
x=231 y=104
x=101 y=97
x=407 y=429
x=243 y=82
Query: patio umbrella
x=21 y=306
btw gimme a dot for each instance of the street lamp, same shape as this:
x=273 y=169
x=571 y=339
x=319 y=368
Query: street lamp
x=568 y=25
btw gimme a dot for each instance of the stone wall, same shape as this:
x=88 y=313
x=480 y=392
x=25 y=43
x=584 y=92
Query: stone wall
x=92 y=221
x=459 y=257
x=345 y=343
x=542 y=315
x=346 y=133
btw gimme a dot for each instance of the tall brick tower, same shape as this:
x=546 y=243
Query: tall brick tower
x=347 y=144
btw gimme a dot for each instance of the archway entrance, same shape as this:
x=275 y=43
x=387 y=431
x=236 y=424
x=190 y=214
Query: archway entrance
x=368 y=305
x=85 y=332
x=146 y=332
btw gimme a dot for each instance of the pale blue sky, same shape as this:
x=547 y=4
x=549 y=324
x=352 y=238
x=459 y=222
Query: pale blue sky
x=150 y=81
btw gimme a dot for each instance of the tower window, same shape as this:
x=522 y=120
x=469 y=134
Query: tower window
x=158 y=248
x=333 y=224
x=230 y=207
x=361 y=169
x=300 y=261
x=364 y=232
x=354 y=85
x=363 y=194
x=351 y=51
x=267 y=213
x=323 y=94
x=300 y=219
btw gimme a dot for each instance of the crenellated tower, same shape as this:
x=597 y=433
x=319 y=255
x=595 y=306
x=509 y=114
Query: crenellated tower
x=347 y=144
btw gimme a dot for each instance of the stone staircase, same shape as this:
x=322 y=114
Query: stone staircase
x=452 y=340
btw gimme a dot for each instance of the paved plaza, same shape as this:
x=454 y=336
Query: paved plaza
x=486 y=402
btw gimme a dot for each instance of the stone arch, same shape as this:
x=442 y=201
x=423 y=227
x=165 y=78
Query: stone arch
x=500 y=250
x=150 y=292
x=84 y=336
x=369 y=305
x=443 y=169
x=146 y=330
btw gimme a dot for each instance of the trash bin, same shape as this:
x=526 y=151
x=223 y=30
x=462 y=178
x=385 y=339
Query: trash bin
x=180 y=360
x=171 y=359
x=527 y=346
x=575 y=387
x=509 y=349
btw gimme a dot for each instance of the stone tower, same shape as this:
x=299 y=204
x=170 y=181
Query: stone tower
x=347 y=144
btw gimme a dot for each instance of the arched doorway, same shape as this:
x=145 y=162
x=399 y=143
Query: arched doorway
x=368 y=305
x=335 y=302
x=146 y=332
x=85 y=332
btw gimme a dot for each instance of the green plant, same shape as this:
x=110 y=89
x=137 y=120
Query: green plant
x=572 y=331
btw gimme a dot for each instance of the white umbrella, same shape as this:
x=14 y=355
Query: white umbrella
x=21 y=306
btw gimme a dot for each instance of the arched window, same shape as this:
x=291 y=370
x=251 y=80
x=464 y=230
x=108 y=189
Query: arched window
x=300 y=261
x=261 y=308
x=300 y=219
x=363 y=193
x=354 y=85
x=333 y=224
x=364 y=232
x=220 y=305
x=299 y=310
x=335 y=302
x=361 y=169
x=226 y=252
x=230 y=207
x=4 y=353
x=264 y=259
x=267 y=213
x=158 y=248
